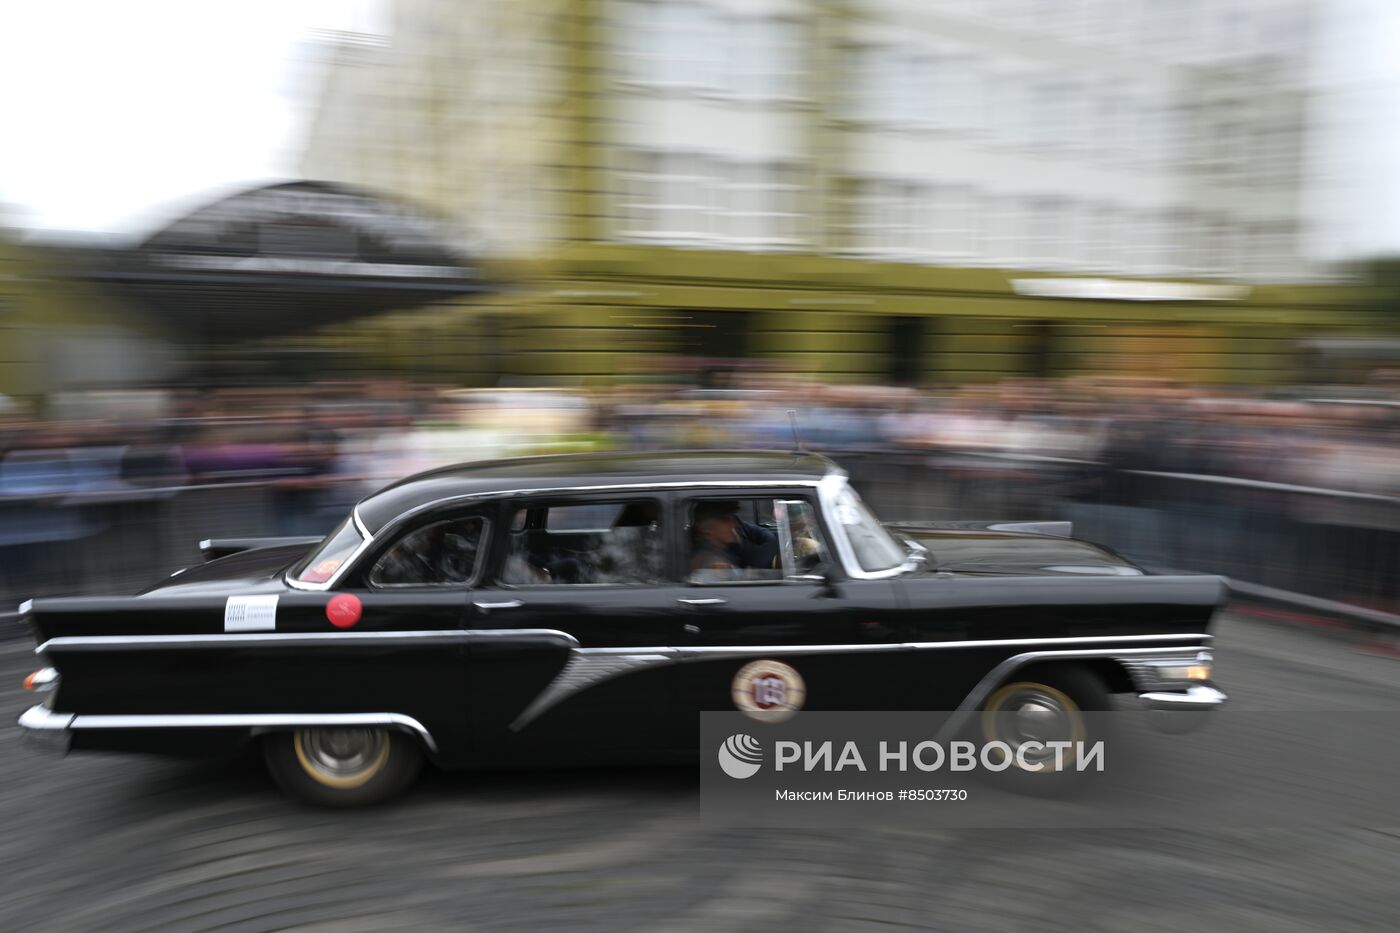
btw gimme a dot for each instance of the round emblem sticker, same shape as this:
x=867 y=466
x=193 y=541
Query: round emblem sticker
x=769 y=691
x=343 y=610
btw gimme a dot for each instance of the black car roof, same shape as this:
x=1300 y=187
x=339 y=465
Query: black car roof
x=582 y=471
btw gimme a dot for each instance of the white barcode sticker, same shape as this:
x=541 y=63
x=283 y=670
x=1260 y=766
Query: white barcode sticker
x=250 y=614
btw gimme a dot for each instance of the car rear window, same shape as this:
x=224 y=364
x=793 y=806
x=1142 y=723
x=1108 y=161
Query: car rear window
x=323 y=562
x=596 y=518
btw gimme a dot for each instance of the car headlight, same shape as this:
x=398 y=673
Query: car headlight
x=1176 y=670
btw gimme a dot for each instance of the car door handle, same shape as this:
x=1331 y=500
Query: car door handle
x=507 y=604
x=709 y=601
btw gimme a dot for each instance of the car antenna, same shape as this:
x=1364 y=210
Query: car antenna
x=797 y=447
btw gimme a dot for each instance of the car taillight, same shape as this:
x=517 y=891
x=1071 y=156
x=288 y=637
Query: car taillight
x=44 y=680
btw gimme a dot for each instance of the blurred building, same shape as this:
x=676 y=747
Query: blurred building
x=228 y=293
x=60 y=332
x=857 y=189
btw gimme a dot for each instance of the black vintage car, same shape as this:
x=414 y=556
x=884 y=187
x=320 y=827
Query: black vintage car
x=585 y=609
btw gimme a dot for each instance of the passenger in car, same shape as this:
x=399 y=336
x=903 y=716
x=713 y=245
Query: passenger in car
x=710 y=562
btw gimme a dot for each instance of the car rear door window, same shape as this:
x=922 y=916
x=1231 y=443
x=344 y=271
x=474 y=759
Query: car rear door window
x=584 y=543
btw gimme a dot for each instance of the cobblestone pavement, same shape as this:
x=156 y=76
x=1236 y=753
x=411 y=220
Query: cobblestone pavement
x=125 y=843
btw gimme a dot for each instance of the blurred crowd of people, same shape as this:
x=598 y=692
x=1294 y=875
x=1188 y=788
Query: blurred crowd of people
x=325 y=444
x=1329 y=437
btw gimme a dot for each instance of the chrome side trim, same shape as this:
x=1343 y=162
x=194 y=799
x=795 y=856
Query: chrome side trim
x=689 y=653
x=43 y=719
x=588 y=667
x=291 y=639
x=584 y=669
x=1074 y=640
x=449 y=636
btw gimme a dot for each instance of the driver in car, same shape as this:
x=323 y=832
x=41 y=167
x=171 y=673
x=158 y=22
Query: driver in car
x=726 y=546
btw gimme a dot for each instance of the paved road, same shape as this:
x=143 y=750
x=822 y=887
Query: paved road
x=93 y=843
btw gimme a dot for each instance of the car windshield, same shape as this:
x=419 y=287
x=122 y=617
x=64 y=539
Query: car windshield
x=875 y=548
x=322 y=563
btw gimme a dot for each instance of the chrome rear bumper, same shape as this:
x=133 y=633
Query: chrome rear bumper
x=46 y=726
x=46 y=730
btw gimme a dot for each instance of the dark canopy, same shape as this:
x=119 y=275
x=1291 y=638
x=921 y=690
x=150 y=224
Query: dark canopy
x=291 y=257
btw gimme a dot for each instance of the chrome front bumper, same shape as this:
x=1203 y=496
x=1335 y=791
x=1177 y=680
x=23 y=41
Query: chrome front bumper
x=1196 y=697
x=45 y=729
x=1179 y=711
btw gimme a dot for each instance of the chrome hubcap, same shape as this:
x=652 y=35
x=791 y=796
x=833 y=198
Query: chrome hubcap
x=343 y=752
x=1032 y=715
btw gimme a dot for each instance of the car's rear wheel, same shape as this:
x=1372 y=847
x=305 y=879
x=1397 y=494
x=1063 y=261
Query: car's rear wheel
x=342 y=767
x=1037 y=708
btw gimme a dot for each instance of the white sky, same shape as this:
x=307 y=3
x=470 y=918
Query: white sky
x=1353 y=196
x=114 y=113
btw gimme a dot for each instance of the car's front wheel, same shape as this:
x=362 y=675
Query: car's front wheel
x=1049 y=705
x=342 y=767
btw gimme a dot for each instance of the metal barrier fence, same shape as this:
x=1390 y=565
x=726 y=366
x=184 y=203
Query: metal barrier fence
x=121 y=542
x=1322 y=543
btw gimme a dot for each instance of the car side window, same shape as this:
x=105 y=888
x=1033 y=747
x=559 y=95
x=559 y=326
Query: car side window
x=801 y=547
x=444 y=553
x=584 y=543
x=756 y=540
